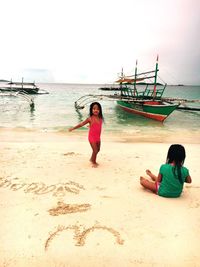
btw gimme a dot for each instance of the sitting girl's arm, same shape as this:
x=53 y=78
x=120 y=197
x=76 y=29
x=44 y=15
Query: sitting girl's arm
x=80 y=124
x=188 y=179
x=159 y=179
x=154 y=177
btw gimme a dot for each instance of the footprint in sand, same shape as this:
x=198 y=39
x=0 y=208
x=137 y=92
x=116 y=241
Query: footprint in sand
x=70 y=154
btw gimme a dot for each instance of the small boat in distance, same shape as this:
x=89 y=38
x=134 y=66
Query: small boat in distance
x=25 y=87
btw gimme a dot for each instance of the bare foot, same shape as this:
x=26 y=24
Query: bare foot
x=142 y=179
x=95 y=165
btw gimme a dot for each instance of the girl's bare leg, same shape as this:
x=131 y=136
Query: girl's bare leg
x=147 y=184
x=95 y=150
x=153 y=176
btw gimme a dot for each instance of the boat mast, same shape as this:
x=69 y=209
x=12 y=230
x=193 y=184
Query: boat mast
x=122 y=75
x=134 y=92
x=155 y=78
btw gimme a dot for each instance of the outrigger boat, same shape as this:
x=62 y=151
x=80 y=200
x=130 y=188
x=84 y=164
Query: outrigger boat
x=20 y=90
x=147 y=102
x=25 y=87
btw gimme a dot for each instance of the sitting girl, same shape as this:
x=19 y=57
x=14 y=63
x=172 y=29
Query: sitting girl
x=172 y=175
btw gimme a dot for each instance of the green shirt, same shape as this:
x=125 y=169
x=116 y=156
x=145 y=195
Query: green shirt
x=170 y=185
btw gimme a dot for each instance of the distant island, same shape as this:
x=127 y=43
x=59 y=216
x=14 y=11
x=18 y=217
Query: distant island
x=4 y=81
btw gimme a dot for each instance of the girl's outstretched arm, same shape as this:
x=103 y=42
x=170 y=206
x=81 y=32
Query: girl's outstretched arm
x=80 y=124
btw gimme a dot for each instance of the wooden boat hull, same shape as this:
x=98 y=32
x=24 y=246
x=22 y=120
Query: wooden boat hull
x=156 y=110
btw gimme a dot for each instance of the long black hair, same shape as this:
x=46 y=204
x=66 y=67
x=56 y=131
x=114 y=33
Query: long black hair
x=100 y=109
x=176 y=154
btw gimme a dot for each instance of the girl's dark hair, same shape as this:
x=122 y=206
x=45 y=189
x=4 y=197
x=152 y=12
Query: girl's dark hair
x=176 y=154
x=100 y=109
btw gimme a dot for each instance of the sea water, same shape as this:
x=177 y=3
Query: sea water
x=55 y=112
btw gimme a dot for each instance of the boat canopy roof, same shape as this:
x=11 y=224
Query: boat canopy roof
x=20 y=83
x=135 y=78
x=129 y=80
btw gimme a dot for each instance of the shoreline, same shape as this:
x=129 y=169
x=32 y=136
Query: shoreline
x=36 y=135
x=55 y=206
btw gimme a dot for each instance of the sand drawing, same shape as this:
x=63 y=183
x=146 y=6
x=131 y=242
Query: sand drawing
x=80 y=237
x=63 y=208
x=62 y=188
x=4 y=182
x=83 y=235
x=58 y=190
x=16 y=187
x=33 y=187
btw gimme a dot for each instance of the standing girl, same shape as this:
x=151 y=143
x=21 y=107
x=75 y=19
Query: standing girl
x=95 y=124
x=172 y=175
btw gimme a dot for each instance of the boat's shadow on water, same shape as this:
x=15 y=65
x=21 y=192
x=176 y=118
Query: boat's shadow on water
x=32 y=113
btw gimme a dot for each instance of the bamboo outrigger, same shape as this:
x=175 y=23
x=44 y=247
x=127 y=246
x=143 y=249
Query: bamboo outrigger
x=21 y=95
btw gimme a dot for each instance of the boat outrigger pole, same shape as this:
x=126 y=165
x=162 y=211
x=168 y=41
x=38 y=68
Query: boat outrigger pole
x=121 y=77
x=155 y=78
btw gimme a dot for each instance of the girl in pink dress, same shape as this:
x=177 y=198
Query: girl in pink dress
x=95 y=125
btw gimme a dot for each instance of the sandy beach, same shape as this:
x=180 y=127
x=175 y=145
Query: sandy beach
x=58 y=211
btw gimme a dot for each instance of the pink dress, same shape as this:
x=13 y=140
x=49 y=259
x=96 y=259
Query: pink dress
x=94 y=134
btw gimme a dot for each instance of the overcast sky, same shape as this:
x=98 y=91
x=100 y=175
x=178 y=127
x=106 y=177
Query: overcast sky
x=89 y=41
